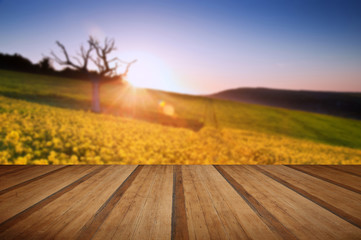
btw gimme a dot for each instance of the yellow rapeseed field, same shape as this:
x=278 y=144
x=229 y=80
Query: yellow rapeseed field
x=36 y=134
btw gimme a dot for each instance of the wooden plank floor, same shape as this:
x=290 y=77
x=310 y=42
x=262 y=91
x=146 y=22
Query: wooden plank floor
x=180 y=202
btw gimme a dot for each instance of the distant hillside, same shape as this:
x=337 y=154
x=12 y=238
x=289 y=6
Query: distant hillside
x=333 y=103
x=202 y=114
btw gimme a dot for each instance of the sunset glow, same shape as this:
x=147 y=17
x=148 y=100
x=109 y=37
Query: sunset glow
x=202 y=47
x=180 y=119
x=150 y=71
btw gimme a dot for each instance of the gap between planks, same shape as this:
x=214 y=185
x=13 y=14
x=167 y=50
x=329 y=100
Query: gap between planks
x=335 y=210
x=179 y=216
x=179 y=227
x=31 y=180
x=91 y=227
x=30 y=210
x=325 y=179
x=271 y=221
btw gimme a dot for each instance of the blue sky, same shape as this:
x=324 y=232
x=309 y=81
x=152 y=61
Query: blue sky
x=203 y=46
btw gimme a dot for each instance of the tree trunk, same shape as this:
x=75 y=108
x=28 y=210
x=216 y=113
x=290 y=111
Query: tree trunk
x=95 y=97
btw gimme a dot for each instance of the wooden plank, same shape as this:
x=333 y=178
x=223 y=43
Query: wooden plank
x=132 y=201
x=14 y=202
x=102 y=202
x=8 y=169
x=203 y=221
x=350 y=169
x=237 y=217
x=299 y=215
x=17 y=179
x=270 y=220
x=125 y=220
x=341 y=179
x=155 y=218
x=179 y=217
x=327 y=195
x=64 y=217
x=92 y=225
x=13 y=221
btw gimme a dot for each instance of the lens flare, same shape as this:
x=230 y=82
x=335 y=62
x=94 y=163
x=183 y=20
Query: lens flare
x=161 y=103
x=166 y=108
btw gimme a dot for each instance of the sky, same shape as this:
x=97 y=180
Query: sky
x=202 y=46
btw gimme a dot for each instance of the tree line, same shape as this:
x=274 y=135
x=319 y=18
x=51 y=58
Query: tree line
x=17 y=62
x=76 y=65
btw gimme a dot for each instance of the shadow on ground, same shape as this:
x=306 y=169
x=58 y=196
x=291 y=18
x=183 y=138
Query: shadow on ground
x=78 y=104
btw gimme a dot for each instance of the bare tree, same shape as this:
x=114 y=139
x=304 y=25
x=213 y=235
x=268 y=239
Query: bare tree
x=80 y=66
x=105 y=67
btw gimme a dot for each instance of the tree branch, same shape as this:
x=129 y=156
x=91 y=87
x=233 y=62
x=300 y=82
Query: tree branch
x=102 y=54
x=124 y=74
x=84 y=54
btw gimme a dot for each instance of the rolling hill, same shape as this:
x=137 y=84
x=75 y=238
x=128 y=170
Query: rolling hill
x=344 y=104
x=47 y=120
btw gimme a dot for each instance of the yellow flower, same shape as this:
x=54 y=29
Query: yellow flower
x=12 y=137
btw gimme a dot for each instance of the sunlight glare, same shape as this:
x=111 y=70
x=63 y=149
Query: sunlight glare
x=150 y=71
x=166 y=108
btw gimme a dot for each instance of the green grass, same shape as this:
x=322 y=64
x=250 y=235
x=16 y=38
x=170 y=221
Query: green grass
x=75 y=94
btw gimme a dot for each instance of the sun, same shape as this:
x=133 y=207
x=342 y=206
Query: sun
x=150 y=71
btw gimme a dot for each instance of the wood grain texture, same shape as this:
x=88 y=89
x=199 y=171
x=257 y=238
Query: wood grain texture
x=179 y=216
x=14 y=202
x=180 y=202
x=69 y=212
x=298 y=214
x=15 y=180
x=326 y=195
x=8 y=169
x=146 y=203
x=232 y=213
x=351 y=169
x=92 y=225
x=268 y=218
x=155 y=218
x=341 y=179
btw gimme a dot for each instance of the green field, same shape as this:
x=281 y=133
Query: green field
x=135 y=128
